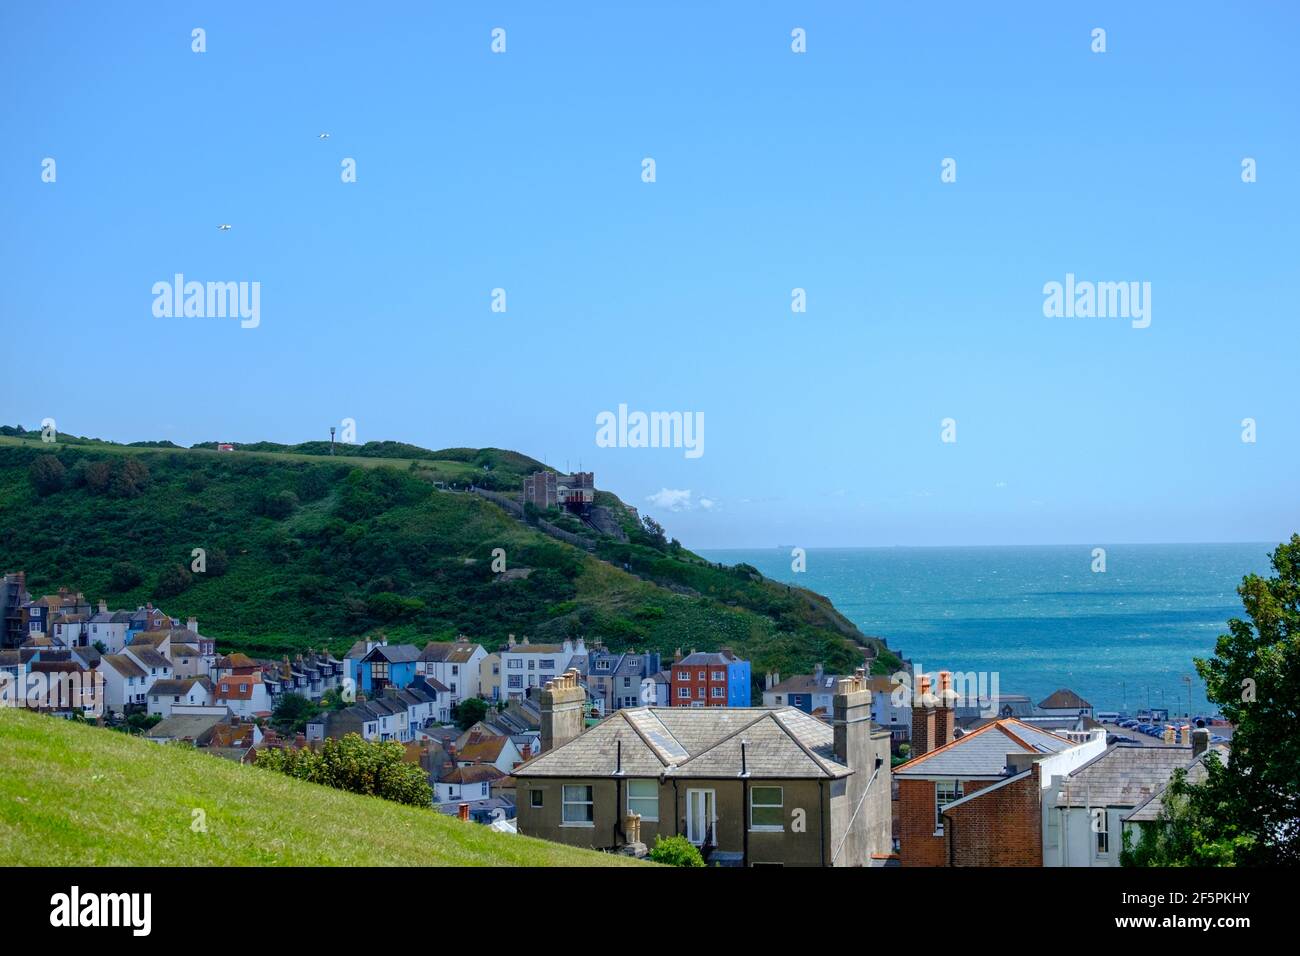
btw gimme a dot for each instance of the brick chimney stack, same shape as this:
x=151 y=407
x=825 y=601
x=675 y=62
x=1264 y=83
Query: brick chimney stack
x=1200 y=741
x=561 y=702
x=945 y=711
x=462 y=812
x=922 y=718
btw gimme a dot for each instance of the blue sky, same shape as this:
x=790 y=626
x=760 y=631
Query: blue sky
x=774 y=170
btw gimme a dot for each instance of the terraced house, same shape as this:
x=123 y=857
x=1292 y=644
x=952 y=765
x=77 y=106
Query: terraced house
x=750 y=786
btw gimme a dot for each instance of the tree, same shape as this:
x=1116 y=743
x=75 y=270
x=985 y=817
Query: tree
x=373 y=768
x=172 y=581
x=47 y=474
x=124 y=576
x=291 y=713
x=1253 y=804
x=469 y=712
x=1186 y=832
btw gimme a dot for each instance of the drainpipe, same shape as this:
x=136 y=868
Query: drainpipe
x=744 y=803
x=619 y=832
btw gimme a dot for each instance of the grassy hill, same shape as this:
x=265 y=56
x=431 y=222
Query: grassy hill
x=75 y=795
x=308 y=550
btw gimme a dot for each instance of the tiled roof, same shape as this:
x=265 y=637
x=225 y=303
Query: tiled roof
x=172 y=688
x=806 y=684
x=983 y=753
x=703 y=657
x=1123 y=776
x=1064 y=699
x=1150 y=810
x=184 y=726
x=697 y=742
x=534 y=649
x=396 y=653
x=148 y=657
x=478 y=773
x=485 y=750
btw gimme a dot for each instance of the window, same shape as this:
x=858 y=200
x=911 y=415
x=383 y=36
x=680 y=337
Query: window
x=719 y=675
x=547 y=664
x=627 y=682
x=577 y=809
x=536 y=799
x=532 y=664
x=643 y=798
x=1101 y=824
x=717 y=691
x=766 y=809
x=701 y=675
x=684 y=693
x=945 y=792
x=455 y=669
x=1053 y=827
x=699 y=692
x=514 y=665
x=515 y=680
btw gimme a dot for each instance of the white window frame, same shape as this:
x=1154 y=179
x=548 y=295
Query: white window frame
x=766 y=827
x=646 y=805
x=589 y=802
x=952 y=788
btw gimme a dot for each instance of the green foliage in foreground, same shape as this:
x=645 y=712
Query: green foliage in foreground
x=75 y=795
x=676 y=851
x=1246 y=813
x=373 y=768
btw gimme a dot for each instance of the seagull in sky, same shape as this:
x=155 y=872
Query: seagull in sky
x=224 y=227
x=323 y=136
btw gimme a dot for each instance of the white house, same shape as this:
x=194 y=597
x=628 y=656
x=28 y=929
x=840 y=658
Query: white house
x=165 y=694
x=244 y=694
x=125 y=682
x=109 y=629
x=466 y=783
x=455 y=665
x=525 y=665
x=150 y=660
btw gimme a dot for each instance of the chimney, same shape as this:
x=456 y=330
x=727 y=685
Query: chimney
x=851 y=707
x=767 y=681
x=511 y=641
x=945 y=713
x=677 y=656
x=922 y=718
x=192 y=624
x=463 y=812
x=818 y=671
x=561 y=702
x=103 y=606
x=632 y=827
x=1200 y=741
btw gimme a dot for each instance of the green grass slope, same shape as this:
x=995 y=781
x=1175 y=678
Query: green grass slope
x=76 y=795
x=308 y=550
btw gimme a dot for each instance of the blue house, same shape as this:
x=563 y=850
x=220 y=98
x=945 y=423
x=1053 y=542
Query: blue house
x=383 y=665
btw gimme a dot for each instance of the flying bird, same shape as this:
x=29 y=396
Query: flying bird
x=224 y=227
x=323 y=136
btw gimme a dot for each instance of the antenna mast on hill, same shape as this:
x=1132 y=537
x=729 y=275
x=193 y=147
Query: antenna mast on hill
x=331 y=439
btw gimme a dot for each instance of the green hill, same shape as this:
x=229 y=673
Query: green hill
x=308 y=550
x=76 y=795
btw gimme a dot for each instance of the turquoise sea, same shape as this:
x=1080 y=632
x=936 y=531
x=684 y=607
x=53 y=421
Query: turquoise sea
x=1039 y=616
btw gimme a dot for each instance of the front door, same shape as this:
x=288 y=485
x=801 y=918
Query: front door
x=701 y=817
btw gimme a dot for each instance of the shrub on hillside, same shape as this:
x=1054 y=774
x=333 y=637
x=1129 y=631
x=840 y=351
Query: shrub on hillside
x=47 y=475
x=676 y=851
x=172 y=581
x=124 y=576
x=278 y=505
x=372 y=768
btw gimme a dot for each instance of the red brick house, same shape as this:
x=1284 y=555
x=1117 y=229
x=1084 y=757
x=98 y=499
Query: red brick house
x=710 y=680
x=977 y=799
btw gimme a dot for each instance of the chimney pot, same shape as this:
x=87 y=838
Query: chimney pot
x=463 y=812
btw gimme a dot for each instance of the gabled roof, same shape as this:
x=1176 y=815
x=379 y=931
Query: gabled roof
x=780 y=742
x=983 y=753
x=719 y=658
x=448 y=652
x=394 y=653
x=477 y=773
x=807 y=684
x=483 y=749
x=148 y=657
x=173 y=688
x=1149 y=811
x=1064 y=699
x=184 y=726
x=122 y=665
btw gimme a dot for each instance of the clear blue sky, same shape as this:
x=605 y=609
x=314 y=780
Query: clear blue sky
x=775 y=171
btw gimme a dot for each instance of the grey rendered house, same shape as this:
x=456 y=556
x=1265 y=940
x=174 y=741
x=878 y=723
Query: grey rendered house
x=749 y=785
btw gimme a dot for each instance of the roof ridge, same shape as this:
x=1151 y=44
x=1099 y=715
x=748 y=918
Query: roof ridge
x=1041 y=730
x=776 y=715
x=645 y=740
x=722 y=740
x=954 y=742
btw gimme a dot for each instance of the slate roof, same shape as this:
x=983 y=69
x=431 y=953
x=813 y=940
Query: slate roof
x=983 y=753
x=184 y=726
x=781 y=742
x=703 y=657
x=175 y=688
x=483 y=749
x=1064 y=699
x=1122 y=776
x=807 y=684
x=477 y=773
x=395 y=653
x=448 y=652
x=1149 y=811
x=123 y=665
x=148 y=657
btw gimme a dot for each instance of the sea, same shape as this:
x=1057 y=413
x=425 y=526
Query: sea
x=1040 y=618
